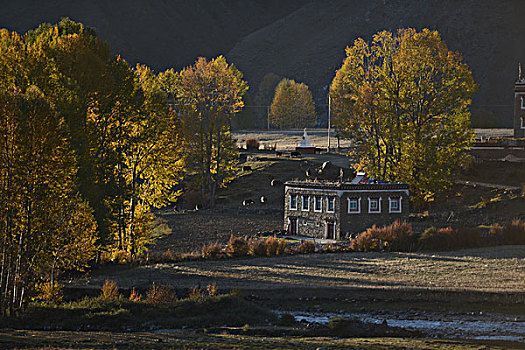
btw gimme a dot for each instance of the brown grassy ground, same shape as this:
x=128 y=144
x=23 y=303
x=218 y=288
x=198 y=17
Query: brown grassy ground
x=494 y=269
x=180 y=339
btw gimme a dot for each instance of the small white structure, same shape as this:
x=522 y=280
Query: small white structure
x=305 y=146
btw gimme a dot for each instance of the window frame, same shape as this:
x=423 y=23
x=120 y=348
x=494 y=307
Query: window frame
x=395 y=200
x=522 y=126
x=378 y=199
x=291 y=201
x=522 y=99
x=328 y=199
x=320 y=209
x=358 y=207
x=303 y=202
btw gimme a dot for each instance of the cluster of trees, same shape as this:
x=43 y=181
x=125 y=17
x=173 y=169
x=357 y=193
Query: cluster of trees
x=405 y=99
x=88 y=145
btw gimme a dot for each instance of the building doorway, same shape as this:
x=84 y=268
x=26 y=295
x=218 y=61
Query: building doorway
x=330 y=230
x=292 y=226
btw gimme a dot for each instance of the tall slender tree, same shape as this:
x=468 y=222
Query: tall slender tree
x=208 y=94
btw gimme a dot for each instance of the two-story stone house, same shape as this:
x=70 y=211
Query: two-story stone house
x=332 y=210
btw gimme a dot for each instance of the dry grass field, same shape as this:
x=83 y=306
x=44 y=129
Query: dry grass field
x=181 y=339
x=494 y=269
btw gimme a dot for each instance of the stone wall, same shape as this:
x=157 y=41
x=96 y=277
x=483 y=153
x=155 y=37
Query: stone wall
x=313 y=224
x=352 y=223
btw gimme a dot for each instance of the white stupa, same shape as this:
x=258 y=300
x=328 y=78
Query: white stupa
x=305 y=146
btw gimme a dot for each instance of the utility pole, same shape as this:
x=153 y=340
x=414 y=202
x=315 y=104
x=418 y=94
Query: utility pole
x=268 y=117
x=329 y=100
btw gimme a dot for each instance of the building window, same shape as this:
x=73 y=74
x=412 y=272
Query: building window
x=522 y=123
x=293 y=202
x=330 y=204
x=374 y=205
x=318 y=204
x=522 y=102
x=354 y=205
x=394 y=204
x=306 y=203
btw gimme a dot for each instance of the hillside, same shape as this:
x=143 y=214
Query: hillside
x=308 y=45
x=159 y=33
x=300 y=39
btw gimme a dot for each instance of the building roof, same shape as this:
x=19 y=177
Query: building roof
x=330 y=185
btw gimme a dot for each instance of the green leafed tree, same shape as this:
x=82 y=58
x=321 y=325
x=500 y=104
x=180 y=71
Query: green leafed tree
x=292 y=106
x=405 y=99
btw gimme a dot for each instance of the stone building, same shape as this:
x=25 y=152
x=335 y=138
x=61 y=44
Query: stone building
x=333 y=210
x=519 y=106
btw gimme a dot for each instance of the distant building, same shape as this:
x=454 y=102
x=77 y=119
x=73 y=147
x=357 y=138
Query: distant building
x=519 y=106
x=333 y=210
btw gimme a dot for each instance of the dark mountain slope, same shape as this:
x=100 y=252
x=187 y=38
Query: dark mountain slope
x=308 y=45
x=301 y=39
x=159 y=33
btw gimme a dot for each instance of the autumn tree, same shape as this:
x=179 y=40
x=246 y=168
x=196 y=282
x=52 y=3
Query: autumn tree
x=405 y=99
x=45 y=227
x=207 y=95
x=292 y=106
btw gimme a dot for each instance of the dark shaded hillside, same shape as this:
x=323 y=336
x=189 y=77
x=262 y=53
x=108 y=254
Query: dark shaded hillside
x=159 y=33
x=308 y=45
x=300 y=39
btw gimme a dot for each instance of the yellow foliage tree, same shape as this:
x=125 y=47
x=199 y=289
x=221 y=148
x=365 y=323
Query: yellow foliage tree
x=292 y=106
x=405 y=99
x=207 y=95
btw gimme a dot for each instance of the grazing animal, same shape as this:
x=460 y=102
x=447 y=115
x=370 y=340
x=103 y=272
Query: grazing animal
x=308 y=172
x=246 y=168
x=275 y=182
x=295 y=154
x=263 y=200
x=278 y=153
x=247 y=202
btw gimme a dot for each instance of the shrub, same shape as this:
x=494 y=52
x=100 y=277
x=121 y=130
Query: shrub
x=513 y=233
x=252 y=144
x=51 y=293
x=397 y=236
x=306 y=247
x=366 y=241
x=212 y=289
x=237 y=246
x=109 y=290
x=211 y=251
x=257 y=247
x=449 y=238
x=120 y=257
x=134 y=296
x=195 y=294
x=275 y=246
x=160 y=295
